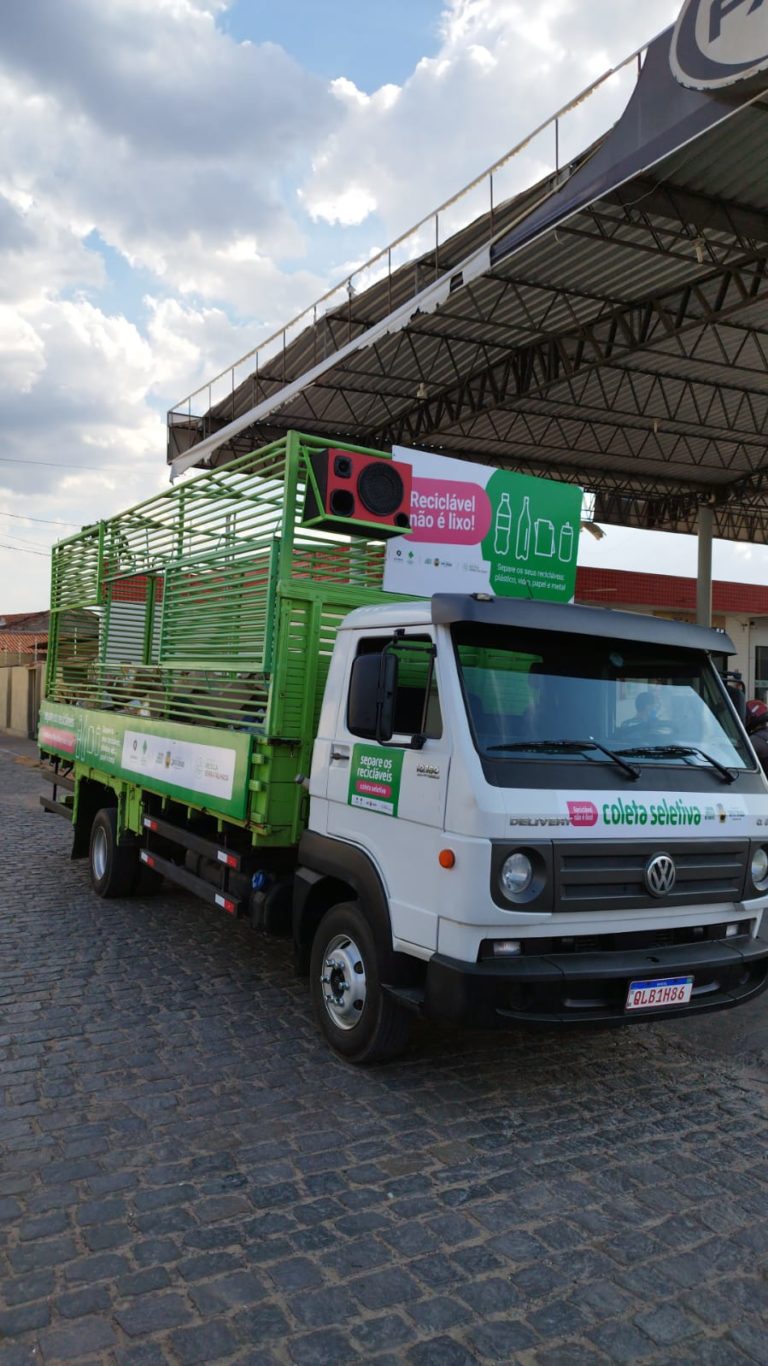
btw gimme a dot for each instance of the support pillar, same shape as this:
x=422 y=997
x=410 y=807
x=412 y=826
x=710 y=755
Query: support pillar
x=704 y=571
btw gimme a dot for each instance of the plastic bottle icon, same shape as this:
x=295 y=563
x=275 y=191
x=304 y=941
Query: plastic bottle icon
x=503 y=526
x=523 y=543
x=566 y=543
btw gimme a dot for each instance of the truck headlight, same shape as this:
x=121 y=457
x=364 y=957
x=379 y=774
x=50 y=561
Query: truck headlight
x=759 y=869
x=516 y=875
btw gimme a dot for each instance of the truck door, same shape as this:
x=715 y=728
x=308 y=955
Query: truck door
x=390 y=799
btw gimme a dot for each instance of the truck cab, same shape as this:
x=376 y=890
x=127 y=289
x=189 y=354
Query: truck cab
x=527 y=811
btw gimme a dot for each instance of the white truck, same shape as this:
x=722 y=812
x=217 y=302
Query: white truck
x=473 y=809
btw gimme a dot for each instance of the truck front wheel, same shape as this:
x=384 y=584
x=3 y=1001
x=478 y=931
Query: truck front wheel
x=360 y=1021
x=114 y=866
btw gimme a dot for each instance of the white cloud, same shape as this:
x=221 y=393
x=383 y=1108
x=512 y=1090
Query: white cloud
x=77 y=388
x=141 y=118
x=85 y=402
x=349 y=206
x=189 y=345
x=22 y=353
x=161 y=77
x=502 y=68
x=39 y=255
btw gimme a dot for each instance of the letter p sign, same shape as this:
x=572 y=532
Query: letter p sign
x=720 y=9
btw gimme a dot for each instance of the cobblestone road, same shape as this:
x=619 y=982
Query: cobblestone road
x=189 y=1176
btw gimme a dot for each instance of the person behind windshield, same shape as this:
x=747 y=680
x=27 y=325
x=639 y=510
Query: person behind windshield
x=646 y=712
x=757 y=729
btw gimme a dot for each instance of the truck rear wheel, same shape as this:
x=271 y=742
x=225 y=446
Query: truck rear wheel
x=360 y=1021
x=114 y=866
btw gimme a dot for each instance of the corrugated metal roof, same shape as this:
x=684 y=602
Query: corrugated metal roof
x=625 y=347
x=729 y=163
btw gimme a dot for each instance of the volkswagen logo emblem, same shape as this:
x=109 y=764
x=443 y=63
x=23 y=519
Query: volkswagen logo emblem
x=660 y=875
x=717 y=42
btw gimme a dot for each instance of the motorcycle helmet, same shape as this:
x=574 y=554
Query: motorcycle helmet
x=757 y=714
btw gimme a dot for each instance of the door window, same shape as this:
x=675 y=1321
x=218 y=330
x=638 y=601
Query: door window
x=417 y=703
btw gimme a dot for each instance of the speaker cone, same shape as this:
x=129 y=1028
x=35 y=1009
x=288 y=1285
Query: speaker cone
x=380 y=489
x=342 y=503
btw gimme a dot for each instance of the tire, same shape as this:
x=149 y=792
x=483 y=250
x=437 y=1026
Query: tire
x=362 y=1023
x=114 y=867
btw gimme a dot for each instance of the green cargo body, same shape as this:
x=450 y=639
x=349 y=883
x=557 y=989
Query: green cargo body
x=191 y=637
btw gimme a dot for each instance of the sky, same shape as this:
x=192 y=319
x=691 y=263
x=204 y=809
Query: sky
x=180 y=177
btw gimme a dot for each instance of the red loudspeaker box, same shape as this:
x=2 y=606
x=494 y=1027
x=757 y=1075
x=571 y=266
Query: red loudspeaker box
x=355 y=488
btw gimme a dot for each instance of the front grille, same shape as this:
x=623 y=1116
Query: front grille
x=606 y=876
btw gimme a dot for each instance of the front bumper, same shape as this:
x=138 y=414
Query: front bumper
x=578 y=987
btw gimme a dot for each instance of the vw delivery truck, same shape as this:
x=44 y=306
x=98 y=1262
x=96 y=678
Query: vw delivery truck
x=469 y=808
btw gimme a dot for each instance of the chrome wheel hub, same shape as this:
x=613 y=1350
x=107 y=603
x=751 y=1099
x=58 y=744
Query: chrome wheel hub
x=343 y=981
x=99 y=854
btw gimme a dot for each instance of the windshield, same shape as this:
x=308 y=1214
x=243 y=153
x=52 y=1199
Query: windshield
x=524 y=689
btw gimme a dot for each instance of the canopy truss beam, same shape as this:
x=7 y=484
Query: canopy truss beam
x=615 y=335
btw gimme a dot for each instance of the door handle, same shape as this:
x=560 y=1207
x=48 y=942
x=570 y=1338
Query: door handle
x=339 y=756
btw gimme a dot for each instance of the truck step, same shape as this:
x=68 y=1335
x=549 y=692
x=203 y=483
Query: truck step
x=191 y=883
x=196 y=843
x=410 y=997
x=58 y=808
x=65 y=780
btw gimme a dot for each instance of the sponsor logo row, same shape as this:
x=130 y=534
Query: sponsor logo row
x=633 y=814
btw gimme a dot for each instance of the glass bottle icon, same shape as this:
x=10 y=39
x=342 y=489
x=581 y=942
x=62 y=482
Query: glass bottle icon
x=523 y=543
x=502 y=526
x=566 y=543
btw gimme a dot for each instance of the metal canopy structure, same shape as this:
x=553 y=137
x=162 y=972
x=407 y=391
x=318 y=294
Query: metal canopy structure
x=607 y=327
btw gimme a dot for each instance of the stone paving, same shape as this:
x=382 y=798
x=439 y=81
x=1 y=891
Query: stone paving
x=189 y=1176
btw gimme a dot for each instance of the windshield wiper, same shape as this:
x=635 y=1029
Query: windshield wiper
x=681 y=752
x=564 y=745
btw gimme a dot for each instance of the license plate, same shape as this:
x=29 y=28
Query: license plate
x=662 y=991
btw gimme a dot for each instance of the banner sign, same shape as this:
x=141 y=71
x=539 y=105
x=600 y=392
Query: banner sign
x=654 y=814
x=374 y=781
x=196 y=764
x=481 y=530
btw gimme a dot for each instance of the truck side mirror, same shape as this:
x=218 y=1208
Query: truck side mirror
x=372 y=688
